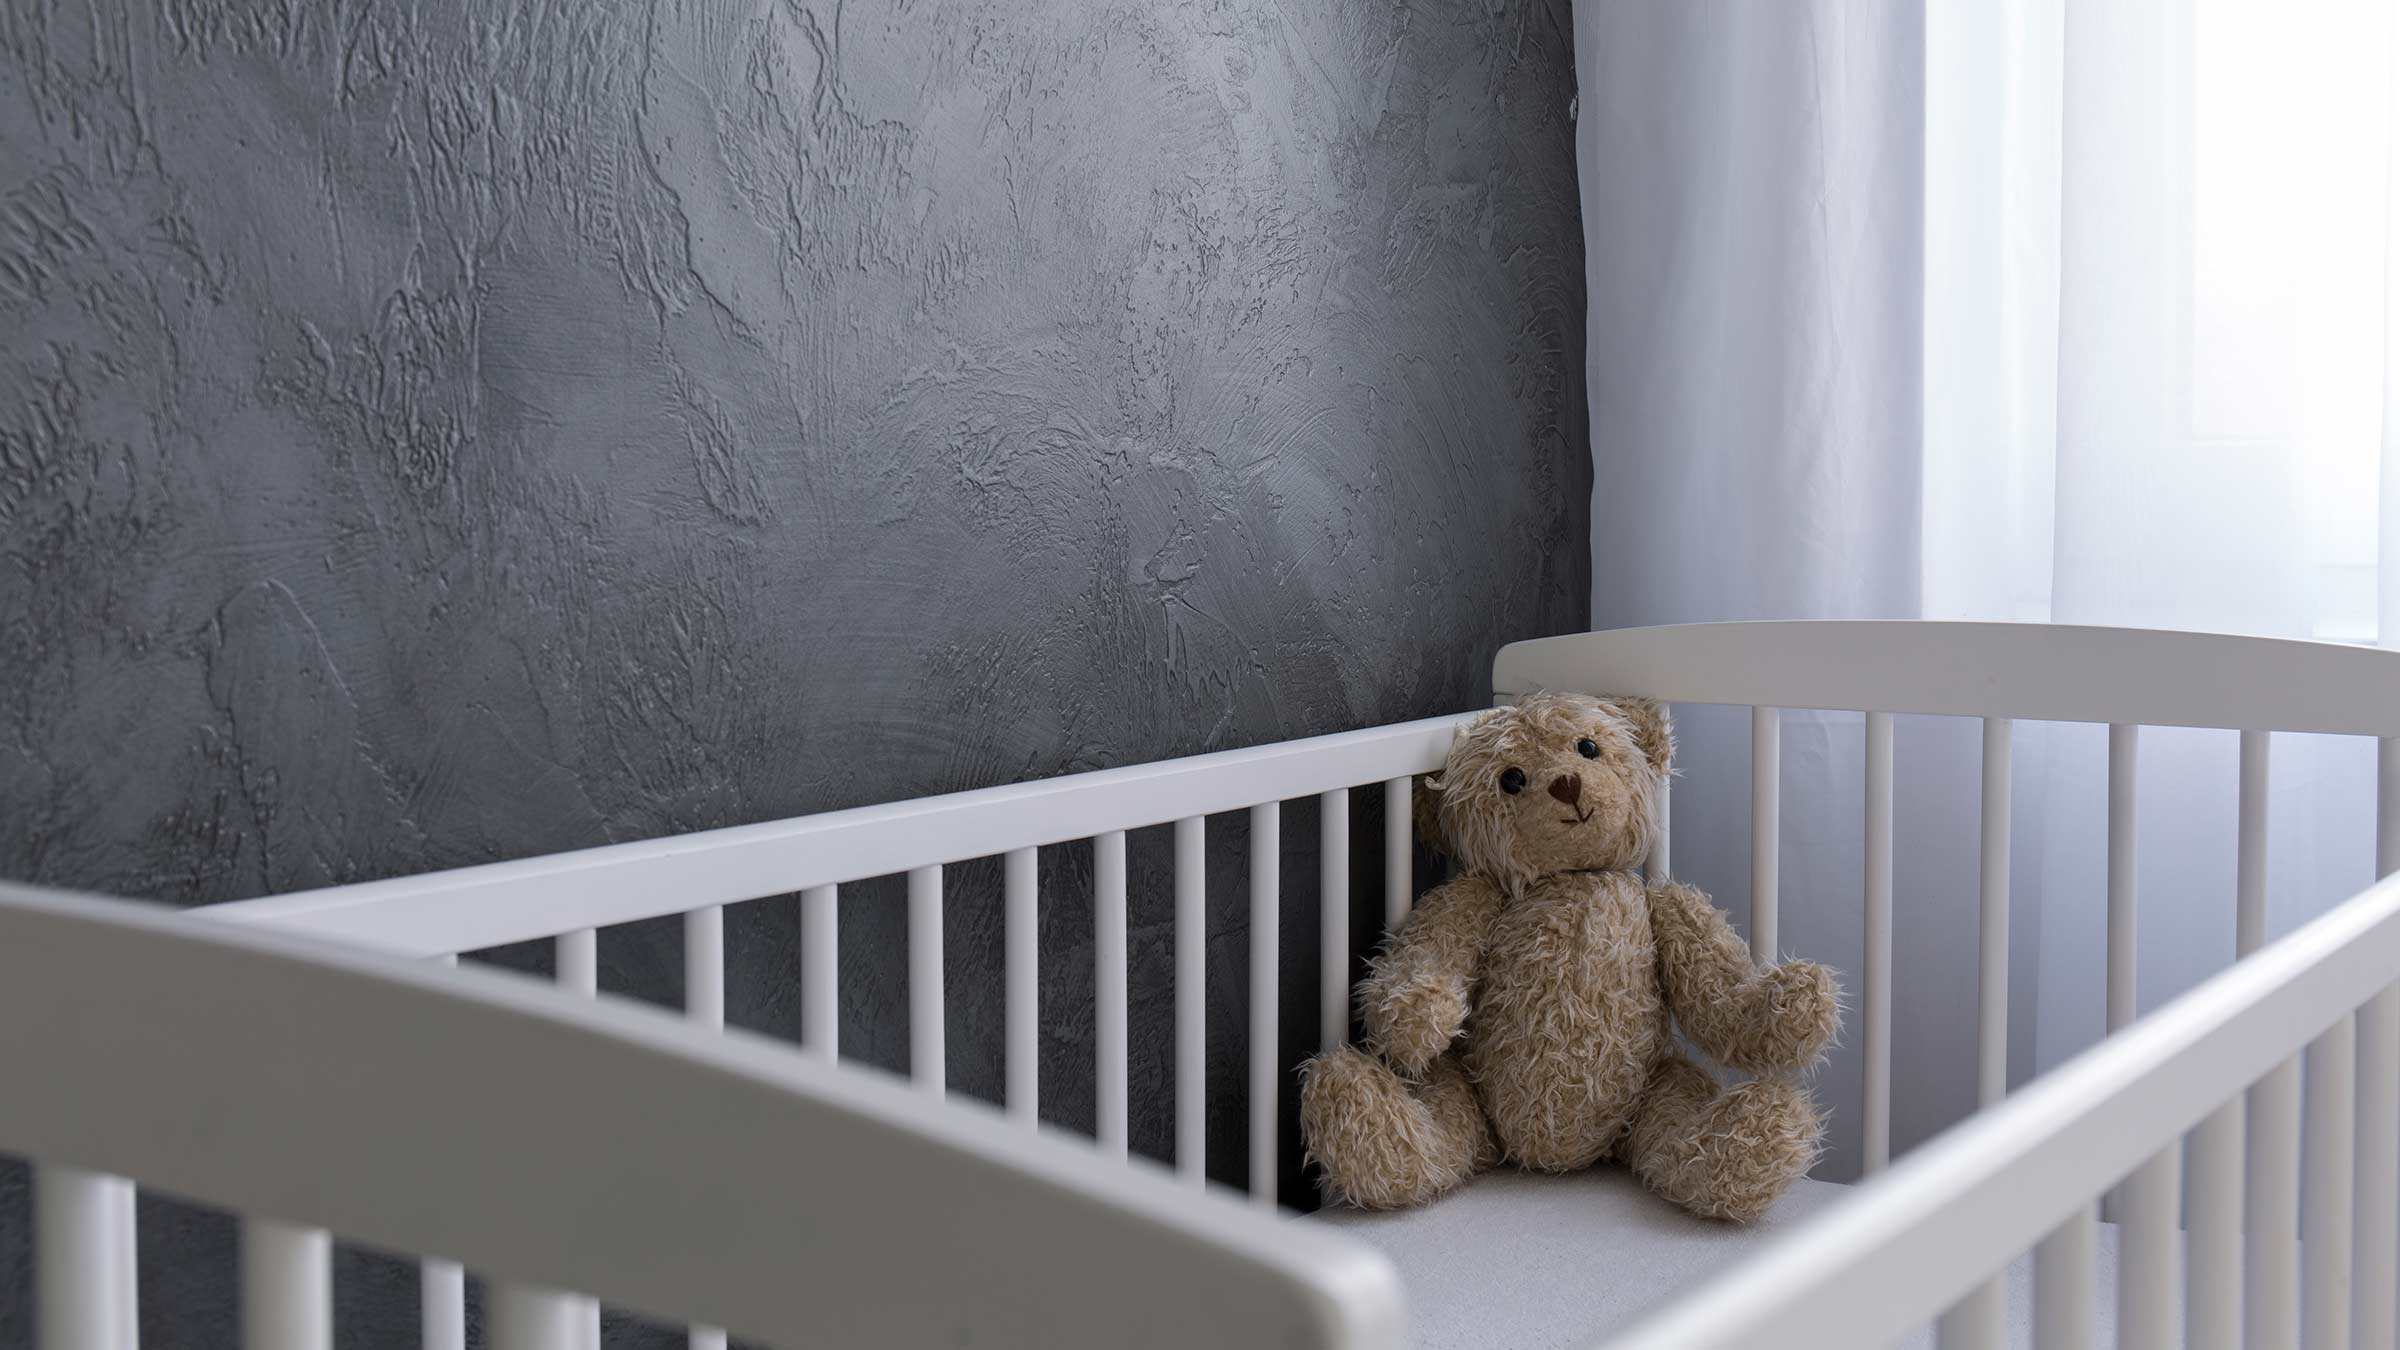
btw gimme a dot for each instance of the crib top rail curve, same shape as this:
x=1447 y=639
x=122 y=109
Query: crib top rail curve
x=2035 y=671
x=601 y=1146
x=1915 y=1240
x=486 y=905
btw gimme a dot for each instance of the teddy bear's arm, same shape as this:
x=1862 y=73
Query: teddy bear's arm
x=1415 y=997
x=1774 y=1020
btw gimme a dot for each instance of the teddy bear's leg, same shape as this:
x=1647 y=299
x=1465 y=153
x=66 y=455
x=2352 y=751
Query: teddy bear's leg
x=1384 y=1143
x=1720 y=1154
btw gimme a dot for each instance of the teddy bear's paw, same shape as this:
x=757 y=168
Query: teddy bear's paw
x=1731 y=1157
x=1380 y=1144
x=1804 y=1010
x=1410 y=1024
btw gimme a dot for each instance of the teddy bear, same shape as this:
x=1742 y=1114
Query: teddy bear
x=1526 y=1010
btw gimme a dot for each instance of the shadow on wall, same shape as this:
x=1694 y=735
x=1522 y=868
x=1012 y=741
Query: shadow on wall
x=430 y=435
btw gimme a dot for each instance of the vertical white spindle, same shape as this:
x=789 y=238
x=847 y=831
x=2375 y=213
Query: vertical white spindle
x=551 y=1319
x=2212 y=1284
x=76 y=1261
x=704 y=1003
x=1876 y=1010
x=1977 y=1322
x=2146 y=1254
x=1191 y=998
x=2377 y=1258
x=2124 y=747
x=2271 y=1132
x=287 y=1286
x=2271 y=1212
x=1021 y=882
x=925 y=1065
x=2326 y=1195
x=2066 y=1284
x=442 y=1304
x=578 y=961
x=2123 y=945
x=1766 y=831
x=1266 y=846
x=2378 y=1251
x=1399 y=865
x=129 y=1266
x=2250 y=848
x=1333 y=918
x=1992 y=1041
x=704 y=966
x=578 y=966
x=528 y=1317
x=442 y=1286
x=1108 y=989
x=1660 y=864
x=820 y=980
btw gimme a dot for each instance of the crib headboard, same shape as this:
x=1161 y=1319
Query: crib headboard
x=592 y=1145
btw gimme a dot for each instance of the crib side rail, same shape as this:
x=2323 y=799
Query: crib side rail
x=1927 y=1236
x=2035 y=672
x=605 y=1147
x=489 y=905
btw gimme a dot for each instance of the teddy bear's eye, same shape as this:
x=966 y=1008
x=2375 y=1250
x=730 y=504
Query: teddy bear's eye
x=1588 y=748
x=1512 y=781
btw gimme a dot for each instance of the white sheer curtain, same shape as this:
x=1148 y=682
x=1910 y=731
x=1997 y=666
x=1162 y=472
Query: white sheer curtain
x=2017 y=309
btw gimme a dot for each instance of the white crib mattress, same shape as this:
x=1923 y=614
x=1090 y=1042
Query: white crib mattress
x=1515 y=1259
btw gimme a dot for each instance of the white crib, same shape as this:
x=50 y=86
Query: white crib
x=271 y=1058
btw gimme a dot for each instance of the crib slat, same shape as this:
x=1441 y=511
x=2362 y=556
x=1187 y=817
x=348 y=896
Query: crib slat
x=925 y=1065
x=578 y=961
x=2065 y=1285
x=2212 y=1287
x=1657 y=868
x=1333 y=917
x=704 y=966
x=122 y=1195
x=526 y=1317
x=2124 y=748
x=1021 y=901
x=2146 y=1259
x=578 y=965
x=704 y=1003
x=1977 y=1322
x=287 y=1286
x=1108 y=985
x=2373 y=1309
x=1399 y=864
x=2250 y=847
x=1191 y=998
x=2378 y=1250
x=78 y=1261
x=442 y=1285
x=1876 y=1002
x=1266 y=845
x=442 y=1304
x=1766 y=831
x=2328 y=1125
x=820 y=981
x=2271 y=1211
x=1992 y=1018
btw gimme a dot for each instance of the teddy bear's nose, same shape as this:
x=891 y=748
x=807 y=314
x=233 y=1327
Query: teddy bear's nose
x=1567 y=788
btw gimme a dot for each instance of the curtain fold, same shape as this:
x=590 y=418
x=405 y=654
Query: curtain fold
x=2018 y=310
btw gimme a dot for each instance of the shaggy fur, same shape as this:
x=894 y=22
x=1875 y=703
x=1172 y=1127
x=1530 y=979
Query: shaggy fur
x=1525 y=1011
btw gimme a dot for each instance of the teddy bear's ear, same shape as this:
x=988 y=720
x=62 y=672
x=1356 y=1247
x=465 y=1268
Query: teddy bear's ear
x=1651 y=730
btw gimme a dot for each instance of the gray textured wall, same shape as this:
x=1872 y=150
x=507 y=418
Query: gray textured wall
x=434 y=431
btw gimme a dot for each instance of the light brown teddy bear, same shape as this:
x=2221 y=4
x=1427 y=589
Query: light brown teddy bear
x=1521 y=1012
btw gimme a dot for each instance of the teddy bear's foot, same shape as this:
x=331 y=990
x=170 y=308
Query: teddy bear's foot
x=1384 y=1144
x=1721 y=1155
